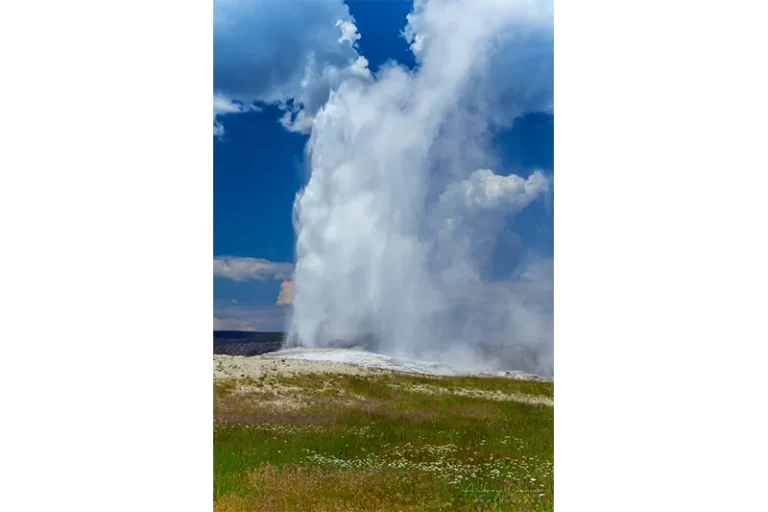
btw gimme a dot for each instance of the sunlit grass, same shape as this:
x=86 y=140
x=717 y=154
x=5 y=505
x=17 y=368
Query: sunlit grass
x=368 y=443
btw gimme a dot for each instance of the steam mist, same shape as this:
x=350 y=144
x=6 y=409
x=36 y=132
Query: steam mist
x=406 y=199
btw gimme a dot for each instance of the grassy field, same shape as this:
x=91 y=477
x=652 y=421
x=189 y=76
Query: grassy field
x=302 y=442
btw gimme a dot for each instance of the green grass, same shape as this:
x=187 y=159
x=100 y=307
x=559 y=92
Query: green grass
x=353 y=443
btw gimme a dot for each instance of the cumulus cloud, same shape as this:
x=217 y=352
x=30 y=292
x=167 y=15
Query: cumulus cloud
x=250 y=269
x=287 y=53
x=285 y=297
x=486 y=190
x=402 y=199
x=349 y=32
x=470 y=217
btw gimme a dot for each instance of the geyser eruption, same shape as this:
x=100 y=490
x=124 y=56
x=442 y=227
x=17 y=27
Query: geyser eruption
x=405 y=200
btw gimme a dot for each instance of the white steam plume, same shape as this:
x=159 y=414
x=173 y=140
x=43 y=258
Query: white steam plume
x=400 y=205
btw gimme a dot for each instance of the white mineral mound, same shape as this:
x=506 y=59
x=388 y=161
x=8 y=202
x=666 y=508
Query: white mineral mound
x=366 y=359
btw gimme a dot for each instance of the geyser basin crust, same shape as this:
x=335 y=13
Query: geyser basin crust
x=343 y=361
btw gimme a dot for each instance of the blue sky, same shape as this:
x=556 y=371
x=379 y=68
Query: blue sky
x=259 y=159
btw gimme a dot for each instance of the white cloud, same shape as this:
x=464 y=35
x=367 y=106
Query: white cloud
x=287 y=53
x=250 y=269
x=486 y=190
x=470 y=216
x=349 y=32
x=223 y=106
